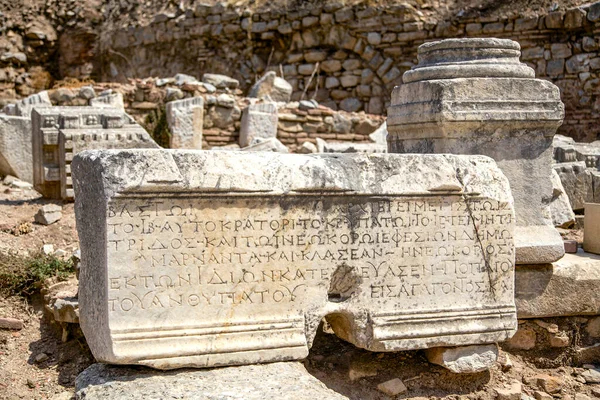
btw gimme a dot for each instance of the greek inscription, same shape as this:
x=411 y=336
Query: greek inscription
x=202 y=252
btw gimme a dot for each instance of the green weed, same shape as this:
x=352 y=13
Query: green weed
x=26 y=275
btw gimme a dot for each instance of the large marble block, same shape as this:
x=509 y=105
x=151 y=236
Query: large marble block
x=474 y=96
x=185 y=118
x=60 y=132
x=198 y=258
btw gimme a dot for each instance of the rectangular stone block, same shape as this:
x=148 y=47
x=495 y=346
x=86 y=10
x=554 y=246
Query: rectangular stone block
x=259 y=121
x=185 y=119
x=591 y=230
x=567 y=287
x=15 y=147
x=60 y=132
x=200 y=259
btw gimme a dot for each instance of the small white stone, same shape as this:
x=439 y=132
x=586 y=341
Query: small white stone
x=307 y=148
x=48 y=249
x=392 y=387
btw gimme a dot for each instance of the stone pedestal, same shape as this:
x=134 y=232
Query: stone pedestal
x=473 y=96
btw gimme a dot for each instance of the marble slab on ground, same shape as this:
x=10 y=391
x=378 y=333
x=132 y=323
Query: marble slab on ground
x=202 y=258
x=281 y=381
x=567 y=287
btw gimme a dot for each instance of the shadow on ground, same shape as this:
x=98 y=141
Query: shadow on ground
x=355 y=373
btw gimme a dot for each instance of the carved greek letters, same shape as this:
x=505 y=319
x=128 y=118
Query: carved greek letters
x=187 y=252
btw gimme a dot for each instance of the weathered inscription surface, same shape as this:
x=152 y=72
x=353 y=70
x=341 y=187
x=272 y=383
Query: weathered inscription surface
x=228 y=259
x=204 y=277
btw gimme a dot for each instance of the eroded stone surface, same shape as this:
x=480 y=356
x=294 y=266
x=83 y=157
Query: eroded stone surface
x=185 y=119
x=253 y=382
x=464 y=360
x=560 y=206
x=272 y=88
x=576 y=180
x=15 y=147
x=221 y=258
x=473 y=96
x=566 y=287
x=259 y=121
x=349 y=147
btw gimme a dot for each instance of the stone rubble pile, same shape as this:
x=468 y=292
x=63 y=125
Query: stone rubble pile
x=220 y=258
x=577 y=165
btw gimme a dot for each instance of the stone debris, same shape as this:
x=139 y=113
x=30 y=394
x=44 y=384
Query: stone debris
x=591 y=376
x=272 y=145
x=464 y=360
x=349 y=147
x=11 y=323
x=505 y=361
x=185 y=119
x=48 y=249
x=108 y=99
x=560 y=206
x=542 y=395
x=593 y=327
x=19 y=184
x=60 y=253
x=182 y=79
x=393 y=387
x=560 y=339
x=472 y=98
x=571 y=246
x=87 y=92
x=220 y=81
x=15 y=147
x=379 y=136
x=280 y=380
x=48 y=214
x=325 y=182
x=511 y=393
x=271 y=88
x=524 y=339
x=589 y=354
x=259 y=121
x=308 y=148
x=40 y=358
x=359 y=370
x=549 y=384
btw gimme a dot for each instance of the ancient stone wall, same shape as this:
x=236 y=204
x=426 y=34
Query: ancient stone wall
x=145 y=101
x=351 y=57
x=346 y=57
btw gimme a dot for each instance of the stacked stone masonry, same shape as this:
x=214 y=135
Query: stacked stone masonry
x=359 y=53
x=347 y=57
